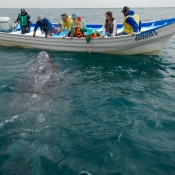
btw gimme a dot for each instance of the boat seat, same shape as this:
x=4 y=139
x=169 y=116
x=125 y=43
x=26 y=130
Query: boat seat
x=119 y=30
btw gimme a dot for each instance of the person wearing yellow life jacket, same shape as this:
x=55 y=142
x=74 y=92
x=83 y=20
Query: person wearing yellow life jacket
x=24 y=20
x=131 y=23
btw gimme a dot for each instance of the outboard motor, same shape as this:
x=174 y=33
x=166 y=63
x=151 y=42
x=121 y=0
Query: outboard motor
x=5 y=24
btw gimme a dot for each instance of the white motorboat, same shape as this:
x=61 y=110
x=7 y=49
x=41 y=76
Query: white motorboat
x=150 y=41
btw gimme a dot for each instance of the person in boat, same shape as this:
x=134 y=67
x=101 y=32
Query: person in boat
x=76 y=17
x=76 y=26
x=131 y=23
x=109 y=27
x=24 y=21
x=90 y=33
x=66 y=23
x=45 y=26
x=76 y=29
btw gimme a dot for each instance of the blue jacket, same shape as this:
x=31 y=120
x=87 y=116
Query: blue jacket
x=45 y=23
x=132 y=22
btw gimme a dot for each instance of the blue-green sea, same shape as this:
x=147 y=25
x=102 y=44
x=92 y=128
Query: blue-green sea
x=113 y=115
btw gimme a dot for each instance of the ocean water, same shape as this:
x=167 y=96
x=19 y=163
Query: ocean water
x=114 y=115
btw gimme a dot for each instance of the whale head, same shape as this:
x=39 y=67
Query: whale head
x=44 y=56
x=41 y=75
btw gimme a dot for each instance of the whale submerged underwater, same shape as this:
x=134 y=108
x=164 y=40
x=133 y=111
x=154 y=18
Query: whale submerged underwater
x=41 y=76
x=38 y=88
x=38 y=106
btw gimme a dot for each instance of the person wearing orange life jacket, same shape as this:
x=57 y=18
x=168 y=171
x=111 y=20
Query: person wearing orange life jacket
x=90 y=33
x=80 y=23
x=131 y=23
x=77 y=32
x=109 y=27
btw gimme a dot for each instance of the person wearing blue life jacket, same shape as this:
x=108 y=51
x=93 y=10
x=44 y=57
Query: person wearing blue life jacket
x=24 y=21
x=45 y=26
x=131 y=23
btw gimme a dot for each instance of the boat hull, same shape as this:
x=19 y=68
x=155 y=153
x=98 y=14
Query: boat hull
x=121 y=45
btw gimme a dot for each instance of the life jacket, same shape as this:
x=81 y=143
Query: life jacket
x=127 y=27
x=78 y=33
x=23 y=20
x=109 y=26
x=94 y=35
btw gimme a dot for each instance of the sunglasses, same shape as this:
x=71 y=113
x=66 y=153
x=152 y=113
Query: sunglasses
x=63 y=17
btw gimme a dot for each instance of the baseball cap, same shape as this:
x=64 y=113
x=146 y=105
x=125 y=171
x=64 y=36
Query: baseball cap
x=125 y=9
x=22 y=10
x=74 y=15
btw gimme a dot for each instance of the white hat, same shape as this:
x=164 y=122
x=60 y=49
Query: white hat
x=39 y=18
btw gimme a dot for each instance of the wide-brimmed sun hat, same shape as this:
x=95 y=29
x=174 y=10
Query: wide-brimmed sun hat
x=39 y=18
x=90 y=31
x=74 y=15
x=77 y=24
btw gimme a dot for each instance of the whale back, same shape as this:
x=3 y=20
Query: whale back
x=41 y=75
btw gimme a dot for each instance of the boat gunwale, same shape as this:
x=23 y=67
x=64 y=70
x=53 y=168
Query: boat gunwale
x=18 y=34
x=111 y=45
x=120 y=45
x=106 y=38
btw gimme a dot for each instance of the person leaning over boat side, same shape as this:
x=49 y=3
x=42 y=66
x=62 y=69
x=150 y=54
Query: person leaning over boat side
x=24 y=20
x=66 y=23
x=90 y=33
x=131 y=23
x=109 y=27
x=45 y=26
x=76 y=26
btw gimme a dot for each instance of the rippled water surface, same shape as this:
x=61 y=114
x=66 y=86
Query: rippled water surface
x=114 y=115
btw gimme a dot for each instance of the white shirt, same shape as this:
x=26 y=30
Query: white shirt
x=114 y=29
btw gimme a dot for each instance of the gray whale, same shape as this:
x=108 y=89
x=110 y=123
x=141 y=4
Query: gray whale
x=41 y=76
x=39 y=104
x=39 y=87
